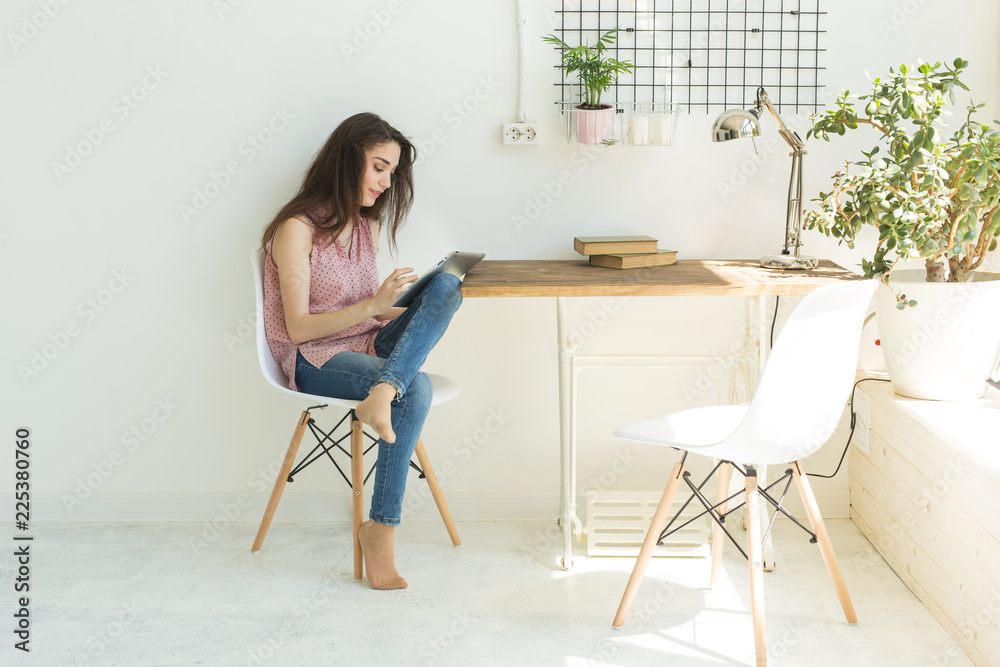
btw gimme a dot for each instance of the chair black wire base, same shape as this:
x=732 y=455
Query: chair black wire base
x=327 y=436
x=720 y=517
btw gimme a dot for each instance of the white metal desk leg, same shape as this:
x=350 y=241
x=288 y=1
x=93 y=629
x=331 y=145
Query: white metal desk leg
x=576 y=526
x=756 y=338
x=763 y=347
x=566 y=502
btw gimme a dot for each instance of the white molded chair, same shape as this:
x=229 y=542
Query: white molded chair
x=798 y=402
x=445 y=389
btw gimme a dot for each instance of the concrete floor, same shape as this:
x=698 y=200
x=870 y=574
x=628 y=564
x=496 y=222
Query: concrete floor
x=173 y=594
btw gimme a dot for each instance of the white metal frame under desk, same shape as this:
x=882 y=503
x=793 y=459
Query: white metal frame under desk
x=571 y=278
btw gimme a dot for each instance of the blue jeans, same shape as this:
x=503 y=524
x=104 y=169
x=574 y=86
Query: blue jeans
x=402 y=347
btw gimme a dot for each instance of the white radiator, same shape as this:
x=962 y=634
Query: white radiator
x=617 y=522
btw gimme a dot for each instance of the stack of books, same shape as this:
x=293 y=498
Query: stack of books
x=623 y=252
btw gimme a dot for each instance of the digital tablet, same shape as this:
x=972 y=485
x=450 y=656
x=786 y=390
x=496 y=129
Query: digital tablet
x=456 y=263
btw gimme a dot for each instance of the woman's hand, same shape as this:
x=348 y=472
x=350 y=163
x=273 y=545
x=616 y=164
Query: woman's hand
x=393 y=286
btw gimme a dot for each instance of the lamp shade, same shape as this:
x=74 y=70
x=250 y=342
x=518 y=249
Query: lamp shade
x=735 y=124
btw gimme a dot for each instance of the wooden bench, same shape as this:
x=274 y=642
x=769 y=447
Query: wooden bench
x=927 y=495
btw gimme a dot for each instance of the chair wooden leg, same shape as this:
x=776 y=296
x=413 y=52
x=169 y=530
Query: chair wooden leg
x=432 y=482
x=718 y=535
x=652 y=536
x=756 y=559
x=279 y=483
x=358 y=490
x=825 y=546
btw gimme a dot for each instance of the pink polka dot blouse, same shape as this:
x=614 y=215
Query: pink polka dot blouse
x=336 y=280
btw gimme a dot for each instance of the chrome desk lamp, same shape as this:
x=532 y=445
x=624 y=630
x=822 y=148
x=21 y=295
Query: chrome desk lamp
x=737 y=124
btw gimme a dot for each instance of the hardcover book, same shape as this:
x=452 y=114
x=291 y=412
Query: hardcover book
x=604 y=245
x=633 y=261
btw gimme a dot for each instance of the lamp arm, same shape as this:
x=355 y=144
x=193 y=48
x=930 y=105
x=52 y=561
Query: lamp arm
x=790 y=137
x=793 y=214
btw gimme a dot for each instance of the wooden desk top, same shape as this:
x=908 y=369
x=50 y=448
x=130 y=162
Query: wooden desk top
x=688 y=277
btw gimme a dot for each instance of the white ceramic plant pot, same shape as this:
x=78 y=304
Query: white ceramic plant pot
x=946 y=346
x=594 y=126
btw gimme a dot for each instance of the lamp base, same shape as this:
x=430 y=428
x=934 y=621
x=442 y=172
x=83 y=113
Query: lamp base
x=791 y=262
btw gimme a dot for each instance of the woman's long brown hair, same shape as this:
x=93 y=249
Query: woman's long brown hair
x=334 y=181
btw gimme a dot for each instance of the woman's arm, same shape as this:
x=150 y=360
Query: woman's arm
x=392 y=313
x=290 y=250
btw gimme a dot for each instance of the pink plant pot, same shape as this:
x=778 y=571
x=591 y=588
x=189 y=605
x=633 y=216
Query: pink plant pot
x=594 y=126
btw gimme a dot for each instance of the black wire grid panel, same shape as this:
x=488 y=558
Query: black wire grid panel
x=705 y=55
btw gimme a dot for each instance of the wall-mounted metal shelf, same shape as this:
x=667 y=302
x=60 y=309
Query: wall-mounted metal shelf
x=708 y=54
x=625 y=124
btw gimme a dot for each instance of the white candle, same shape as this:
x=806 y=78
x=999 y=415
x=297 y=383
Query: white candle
x=638 y=129
x=663 y=129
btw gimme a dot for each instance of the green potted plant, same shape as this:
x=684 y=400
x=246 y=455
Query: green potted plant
x=932 y=197
x=596 y=72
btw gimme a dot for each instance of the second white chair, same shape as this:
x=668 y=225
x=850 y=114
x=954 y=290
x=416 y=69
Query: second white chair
x=798 y=402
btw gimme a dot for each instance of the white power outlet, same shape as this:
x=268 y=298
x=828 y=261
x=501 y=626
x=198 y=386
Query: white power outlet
x=862 y=412
x=520 y=134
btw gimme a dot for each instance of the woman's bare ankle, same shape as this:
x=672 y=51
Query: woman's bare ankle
x=384 y=391
x=378 y=551
x=376 y=410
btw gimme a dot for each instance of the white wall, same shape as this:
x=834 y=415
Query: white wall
x=177 y=332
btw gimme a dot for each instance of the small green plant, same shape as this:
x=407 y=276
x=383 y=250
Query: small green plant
x=596 y=71
x=930 y=197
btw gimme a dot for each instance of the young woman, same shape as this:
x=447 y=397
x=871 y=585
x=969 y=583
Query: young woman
x=332 y=327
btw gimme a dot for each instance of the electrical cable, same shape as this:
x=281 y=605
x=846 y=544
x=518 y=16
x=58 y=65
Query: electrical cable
x=774 y=319
x=849 y=435
x=854 y=415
